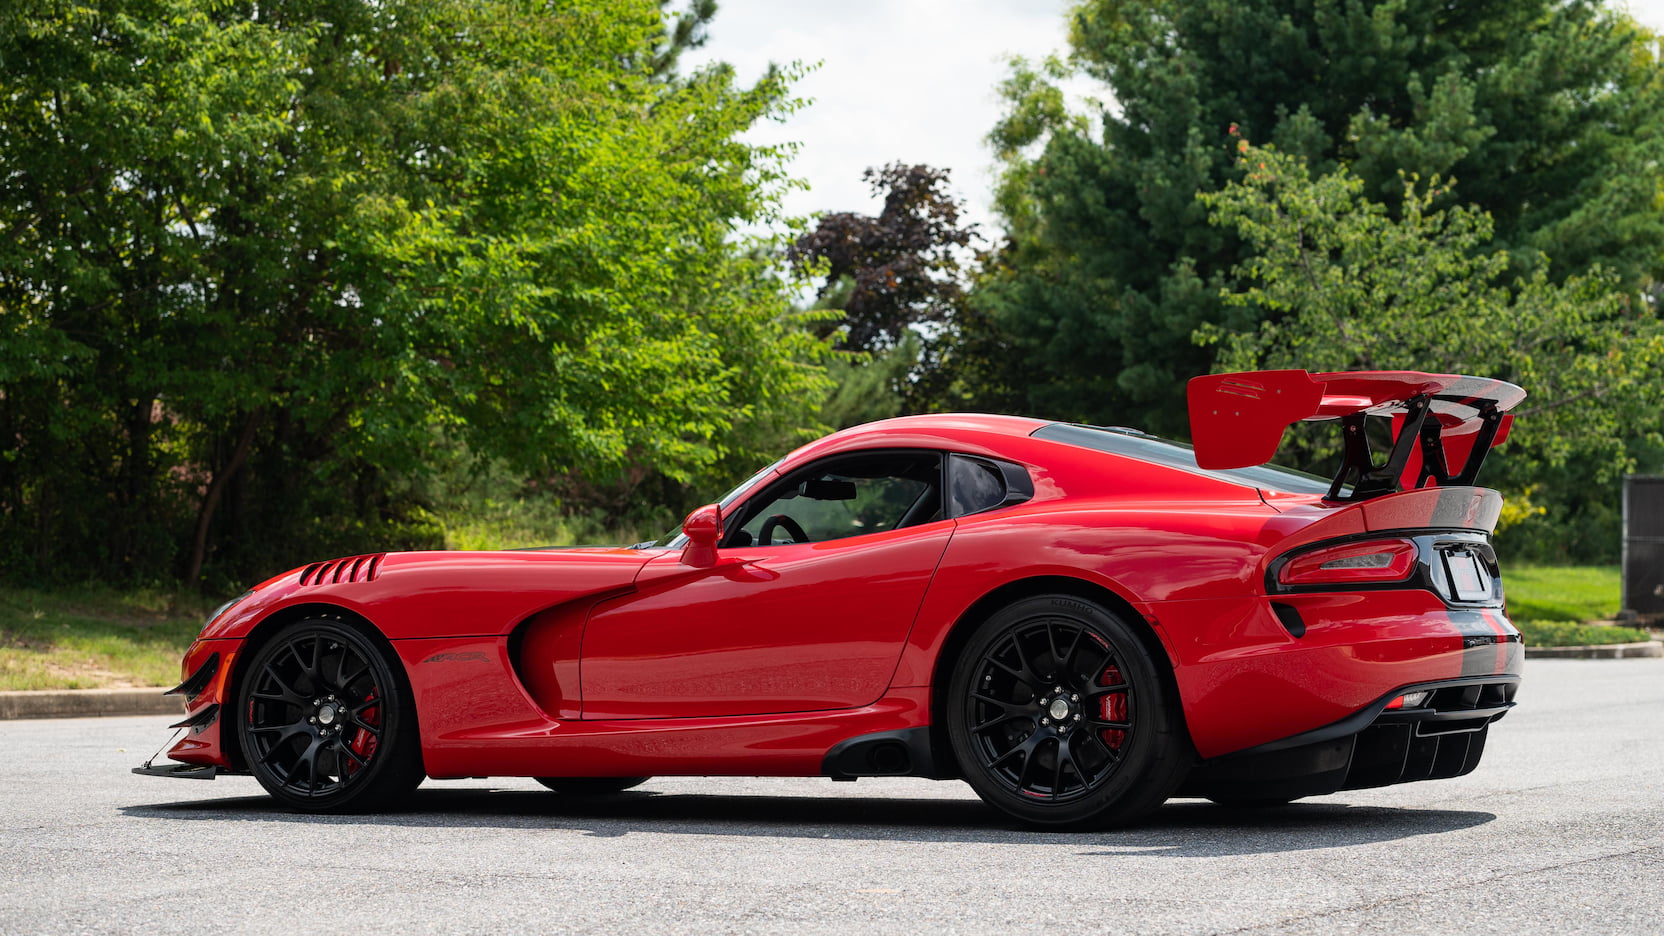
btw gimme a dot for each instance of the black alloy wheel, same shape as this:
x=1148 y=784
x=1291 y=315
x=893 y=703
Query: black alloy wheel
x=327 y=720
x=1058 y=716
x=590 y=786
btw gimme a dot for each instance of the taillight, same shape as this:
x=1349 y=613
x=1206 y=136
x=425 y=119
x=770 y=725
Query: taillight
x=1389 y=560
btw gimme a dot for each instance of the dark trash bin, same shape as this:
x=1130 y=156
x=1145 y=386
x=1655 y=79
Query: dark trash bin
x=1644 y=545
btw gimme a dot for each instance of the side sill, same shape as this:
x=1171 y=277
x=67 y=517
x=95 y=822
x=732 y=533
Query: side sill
x=904 y=753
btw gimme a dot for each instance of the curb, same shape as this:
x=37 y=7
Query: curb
x=88 y=703
x=1623 y=651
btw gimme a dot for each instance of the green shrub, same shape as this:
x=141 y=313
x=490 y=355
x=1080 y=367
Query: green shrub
x=533 y=521
x=1571 y=634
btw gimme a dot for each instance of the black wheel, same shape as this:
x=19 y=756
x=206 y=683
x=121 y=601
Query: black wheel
x=591 y=786
x=1059 y=717
x=328 y=723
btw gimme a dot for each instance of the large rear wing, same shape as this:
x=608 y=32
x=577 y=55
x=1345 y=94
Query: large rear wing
x=1442 y=424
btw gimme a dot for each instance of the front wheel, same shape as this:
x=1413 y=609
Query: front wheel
x=1059 y=717
x=327 y=720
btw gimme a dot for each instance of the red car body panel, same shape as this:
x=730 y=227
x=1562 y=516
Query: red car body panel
x=448 y=594
x=623 y=662
x=764 y=631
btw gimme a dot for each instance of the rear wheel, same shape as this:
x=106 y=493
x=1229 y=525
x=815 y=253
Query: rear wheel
x=327 y=719
x=591 y=786
x=1059 y=717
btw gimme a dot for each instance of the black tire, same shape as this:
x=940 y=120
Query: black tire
x=327 y=720
x=1060 y=718
x=590 y=786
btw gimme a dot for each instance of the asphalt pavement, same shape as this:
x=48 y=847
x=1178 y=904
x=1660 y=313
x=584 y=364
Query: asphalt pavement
x=1560 y=830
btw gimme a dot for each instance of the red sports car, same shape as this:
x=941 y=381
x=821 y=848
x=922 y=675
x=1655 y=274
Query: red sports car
x=1078 y=621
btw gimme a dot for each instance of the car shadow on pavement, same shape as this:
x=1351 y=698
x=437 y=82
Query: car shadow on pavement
x=1180 y=829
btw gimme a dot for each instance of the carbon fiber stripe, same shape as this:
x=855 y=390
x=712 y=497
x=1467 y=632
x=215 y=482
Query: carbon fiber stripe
x=1477 y=624
x=1489 y=646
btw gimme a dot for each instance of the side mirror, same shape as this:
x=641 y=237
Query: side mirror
x=703 y=528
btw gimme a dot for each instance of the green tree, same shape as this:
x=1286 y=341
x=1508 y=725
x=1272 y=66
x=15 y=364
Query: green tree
x=1550 y=113
x=1341 y=284
x=1338 y=282
x=263 y=255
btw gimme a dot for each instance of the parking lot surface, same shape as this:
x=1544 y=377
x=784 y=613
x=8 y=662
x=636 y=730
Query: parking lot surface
x=1560 y=830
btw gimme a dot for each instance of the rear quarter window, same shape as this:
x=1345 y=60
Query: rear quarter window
x=973 y=485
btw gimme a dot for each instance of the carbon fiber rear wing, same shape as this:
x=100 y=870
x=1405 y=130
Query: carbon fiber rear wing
x=1438 y=421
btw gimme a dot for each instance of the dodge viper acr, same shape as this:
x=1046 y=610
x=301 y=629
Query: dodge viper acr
x=1080 y=622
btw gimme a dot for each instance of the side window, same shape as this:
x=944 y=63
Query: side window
x=978 y=484
x=847 y=496
x=973 y=485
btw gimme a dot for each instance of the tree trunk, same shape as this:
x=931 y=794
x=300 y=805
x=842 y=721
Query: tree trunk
x=216 y=490
x=136 y=487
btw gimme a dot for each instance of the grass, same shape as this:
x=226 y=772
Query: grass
x=1562 y=593
x=1551 y=605
x=95 y=638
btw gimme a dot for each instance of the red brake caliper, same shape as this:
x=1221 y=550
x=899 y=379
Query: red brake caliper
x=1112 y=706
x=363 y=743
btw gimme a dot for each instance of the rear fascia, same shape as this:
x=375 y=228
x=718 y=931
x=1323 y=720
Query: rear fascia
x=1256 y=669
x=1377 y=746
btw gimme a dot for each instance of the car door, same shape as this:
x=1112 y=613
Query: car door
x=817 y=581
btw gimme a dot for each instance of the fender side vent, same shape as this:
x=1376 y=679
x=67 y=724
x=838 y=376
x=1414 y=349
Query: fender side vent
x=337 y=571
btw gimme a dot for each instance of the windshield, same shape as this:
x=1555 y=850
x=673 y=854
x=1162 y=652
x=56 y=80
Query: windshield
x=1145 y=447
x=675 y=539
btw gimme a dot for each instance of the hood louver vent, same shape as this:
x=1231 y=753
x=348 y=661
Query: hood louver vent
x=350 y=569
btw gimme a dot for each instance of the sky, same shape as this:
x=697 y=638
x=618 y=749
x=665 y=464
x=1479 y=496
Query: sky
x=900 y=80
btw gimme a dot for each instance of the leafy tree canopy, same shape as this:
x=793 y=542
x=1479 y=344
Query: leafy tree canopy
x=902 y=265
x=265 y=254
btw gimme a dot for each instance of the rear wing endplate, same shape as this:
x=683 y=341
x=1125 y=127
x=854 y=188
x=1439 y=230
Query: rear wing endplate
x=1442 y=424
